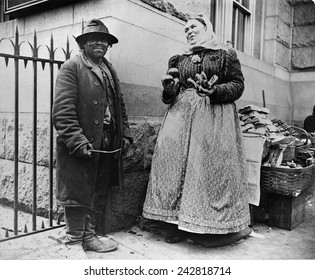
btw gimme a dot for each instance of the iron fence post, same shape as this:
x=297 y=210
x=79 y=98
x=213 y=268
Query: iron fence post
x=16 y=130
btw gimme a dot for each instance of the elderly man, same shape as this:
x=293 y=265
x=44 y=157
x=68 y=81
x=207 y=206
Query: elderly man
x=92 y=126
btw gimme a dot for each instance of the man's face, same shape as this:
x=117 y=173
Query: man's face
x=96 y=47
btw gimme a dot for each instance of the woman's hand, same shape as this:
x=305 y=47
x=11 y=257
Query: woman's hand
x=170 y=82
x=203 y=85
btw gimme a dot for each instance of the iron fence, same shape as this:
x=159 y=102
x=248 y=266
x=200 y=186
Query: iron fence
x=36 y=61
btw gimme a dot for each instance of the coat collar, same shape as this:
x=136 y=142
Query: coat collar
x=110 y=71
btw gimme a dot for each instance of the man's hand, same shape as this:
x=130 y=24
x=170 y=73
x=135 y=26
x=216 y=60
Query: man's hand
x=84 y=151
x=126 y=144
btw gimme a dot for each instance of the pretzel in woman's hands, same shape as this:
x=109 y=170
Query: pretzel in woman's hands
x=203 y=86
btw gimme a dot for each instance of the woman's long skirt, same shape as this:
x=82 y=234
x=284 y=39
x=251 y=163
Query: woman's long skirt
x=198 y=176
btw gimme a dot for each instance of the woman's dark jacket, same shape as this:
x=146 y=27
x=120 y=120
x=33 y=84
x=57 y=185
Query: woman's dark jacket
x=78 y=114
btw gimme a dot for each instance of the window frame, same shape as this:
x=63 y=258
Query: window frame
x=224 y=22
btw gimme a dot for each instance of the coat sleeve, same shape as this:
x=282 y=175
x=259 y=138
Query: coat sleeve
x=232 y=84
x=172 y=63
x=64 y=112
x=125 y=123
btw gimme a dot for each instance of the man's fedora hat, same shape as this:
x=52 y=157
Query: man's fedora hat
x=97 y=27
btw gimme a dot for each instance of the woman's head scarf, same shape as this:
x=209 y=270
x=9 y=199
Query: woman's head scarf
x=207 y=40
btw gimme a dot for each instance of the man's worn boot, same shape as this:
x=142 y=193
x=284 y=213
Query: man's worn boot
x=90 y=240
x=75 y=226
x=100 y=246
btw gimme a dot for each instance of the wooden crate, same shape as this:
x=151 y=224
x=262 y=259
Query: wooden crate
x=285 y=211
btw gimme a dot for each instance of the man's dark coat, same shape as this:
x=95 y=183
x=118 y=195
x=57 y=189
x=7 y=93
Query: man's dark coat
x=78 y=114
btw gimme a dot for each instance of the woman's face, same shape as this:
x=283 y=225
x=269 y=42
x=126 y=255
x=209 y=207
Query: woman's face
x=193 y=30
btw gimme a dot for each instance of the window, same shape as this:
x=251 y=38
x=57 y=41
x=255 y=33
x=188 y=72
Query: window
x=233 y=21
x=241 y=15
x=21 y=8
x=2 y=15
x=213 y=12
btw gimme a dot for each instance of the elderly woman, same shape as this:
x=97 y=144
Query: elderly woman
x=198 y=179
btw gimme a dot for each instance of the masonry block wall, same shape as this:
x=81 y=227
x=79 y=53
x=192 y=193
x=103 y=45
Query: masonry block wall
x=277 y=37
x=148 y=36
x=303 y=39
x=125 y=204
x=303 y=59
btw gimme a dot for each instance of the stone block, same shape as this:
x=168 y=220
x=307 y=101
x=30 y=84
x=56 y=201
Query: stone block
x=282 y=57
x=283 y=33
x=304 y=36
x=137 y=158
x=285 y=11
x=298 y=2
x=7 y=29
x=87 y=10
x=25 y=189
x=143 y=100
x=25 y=139
x=304 y=14
x=61 y=16
x=133 y=159
x=179 y=8
x=271 y=8
x=124 y=206
x=269 y=51
x=270 y=28
x=303 y=58
x=140 y=153
x=190 y=7
x=3 y=125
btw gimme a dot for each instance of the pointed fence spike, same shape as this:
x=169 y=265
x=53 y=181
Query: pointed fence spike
x=59 y=65
x=43 y=226
x=6 y=60
x=43 y=65
x=35 y=50
x=6 y=233
x=25 y=62
x=25 y=229
x=16 y=42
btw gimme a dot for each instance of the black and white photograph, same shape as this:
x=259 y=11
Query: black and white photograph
x=146 y=139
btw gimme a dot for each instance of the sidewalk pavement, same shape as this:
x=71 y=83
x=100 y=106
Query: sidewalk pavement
x=270 y=243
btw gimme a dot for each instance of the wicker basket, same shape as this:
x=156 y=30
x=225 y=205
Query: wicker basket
x=312 y=137
x=286 y=181
x=301 y=134
x=298 y=132
x=289 y=152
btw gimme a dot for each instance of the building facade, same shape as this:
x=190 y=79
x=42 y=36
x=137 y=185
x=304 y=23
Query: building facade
x=274 y=40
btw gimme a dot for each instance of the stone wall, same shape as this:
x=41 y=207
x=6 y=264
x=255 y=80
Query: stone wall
x=140 y=77
x=303 y=39
x=165 y=6
x=277 y=44
x=124 y=205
